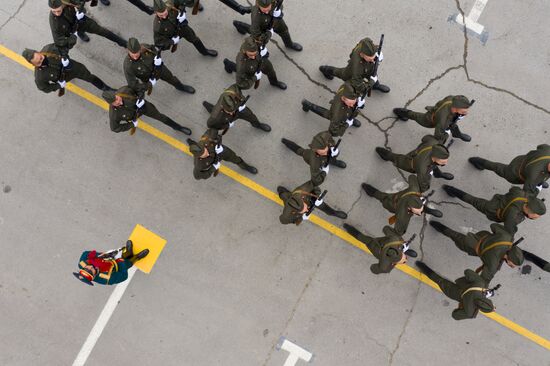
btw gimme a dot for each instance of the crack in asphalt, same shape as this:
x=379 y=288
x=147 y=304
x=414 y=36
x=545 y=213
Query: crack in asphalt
x=13 y=15
x=355 y=202
x=441 y=203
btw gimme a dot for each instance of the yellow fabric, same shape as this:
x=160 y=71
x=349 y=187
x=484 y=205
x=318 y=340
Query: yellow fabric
x=494 y=245
x=547 y=157
x=392 y=243
x=481 y=289
x=502 y=214
x=447 y=103
x=145 y=239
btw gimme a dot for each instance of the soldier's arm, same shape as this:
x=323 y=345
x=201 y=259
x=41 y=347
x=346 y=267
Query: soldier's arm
x=244 y=81
x=45 y=86
x=511 y=220
x=402 y=223
x=115 y=124
x=317 y=175
x=424 y=179
x=532 y=179
x=490 y=268
x=384 y=265
x=441 y=124
x=133 y=82
x=161 y=40
x=469 y=311
x=255 y=29
x=356 y=67
x=59 y=39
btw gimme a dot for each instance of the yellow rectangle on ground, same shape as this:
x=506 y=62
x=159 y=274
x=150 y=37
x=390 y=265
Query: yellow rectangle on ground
x=145 y=239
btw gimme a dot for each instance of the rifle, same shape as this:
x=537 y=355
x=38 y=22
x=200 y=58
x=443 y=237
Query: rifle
x=110 y=254
x=376 y=64
x=196 y=7
x=450 y=143
x=490 y=292
x=258 y=69
x=61 y=91
x=312 y=206
x=278 y=5
x=409 y=252
x=156 y=73
x=329 y=155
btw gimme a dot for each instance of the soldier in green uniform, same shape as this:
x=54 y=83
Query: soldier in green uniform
x=267 y=19
x=532 y=169
x=208 y=154
x=317 y=155
x=138 y=3
x=109 y=268
x=230 y=107
x=250 y=67
x=300 y=200
x=424 y=161
x=470 y=291
x=68 y=18
x=143 y=67
x=403 y=204
x=50 y=74
x=126 y=106
x=343 y=110
x=389 y=249
x=444 y=117
x=170 y=25
x=510 y=208
x=493 y=248
x=360 y=66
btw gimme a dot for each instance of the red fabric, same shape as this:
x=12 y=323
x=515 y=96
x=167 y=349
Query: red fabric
x=101 y=264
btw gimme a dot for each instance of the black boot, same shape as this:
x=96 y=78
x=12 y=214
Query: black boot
x=306 y=105
x=181 y=128
x=142 y=254
x=332 y=212
x=83 y=36
x=229 y=66
x=142 y=6
x=129 y=252
x=208 y=106
x=439 y=174
x=381 y=87
x=385 y=154
x=327 y=71
x=242 y=28
x=248 y=168
x=352 y=230
x=424 y=268
x=105 y=2
x=185 y=88
x=117 y=39
x=287 y=40
x=338 y=163
x=356 y=123
x=453 y=192
x=244 y=9
x=203 y=50
x=98 y=83
x=432 y=211
x=402 y=113
x=438 y=226
x=236 y=6
x=278 y=84
x=411 y=253
x=477 y=162
x=281 y=190
x=370 y=190
x=262 y=126
x=291 y=145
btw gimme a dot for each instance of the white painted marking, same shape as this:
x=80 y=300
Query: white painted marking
x=296 y=353
x=103 y=319
x=470 y=21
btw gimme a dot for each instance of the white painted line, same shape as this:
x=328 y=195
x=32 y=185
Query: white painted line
x=470 y=21
x=296 y=353
x=103 y=319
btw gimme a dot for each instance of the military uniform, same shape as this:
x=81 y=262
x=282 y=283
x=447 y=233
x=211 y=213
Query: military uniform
x=440 y=117
x=469 y=291
x=305 y=194
x=490 y=247
x=49 y=75
x=387 y=249
x=129 y=112
x=230 y=107
x=358 y=69
x=65 y=26
x=250 y=70
x=138 y=3
x=532 y=170
x=205 y=167
x=507 y=208
x=142 y=73
x=168 y=31
x=420 y=161
x=340 y=115
x=263 y=23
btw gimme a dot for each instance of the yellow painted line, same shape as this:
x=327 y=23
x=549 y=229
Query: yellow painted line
x=275 y=198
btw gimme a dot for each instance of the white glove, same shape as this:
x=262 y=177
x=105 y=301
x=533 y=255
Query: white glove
x=277 y=13
x=157 y=61
x=349 y=122
x=318 y=202
x=135 y=122
x=181 y=17
x=218 y=149
x=217 y=165
x=263 y=51
x=65 y=62
x=79 y=15
x=305 y=217
x=258 y=75
x=272 y=32
x=380 y=56
x=360 y=102
x=448 y=131
x=153 y=81
x=459 y=118
x=539 y=187
x=242 y=107
x=405 y=247
x=231 y=124
x=432 y=172
x=140 y=103
x=62 y=84
x=325 y=169
x=374 y=79
x=176 y=39
x=334 y=151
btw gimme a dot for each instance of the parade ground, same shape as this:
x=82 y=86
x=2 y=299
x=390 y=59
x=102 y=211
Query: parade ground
x=232 y=286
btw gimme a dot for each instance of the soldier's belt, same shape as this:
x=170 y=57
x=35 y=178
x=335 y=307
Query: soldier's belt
x=495 y=245
x=501 y=214
x=392 y=243
x=480 y=289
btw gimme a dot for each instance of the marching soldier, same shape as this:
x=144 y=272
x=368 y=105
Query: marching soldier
x=444 y=117
x=390 y=250
x=299 y=202
x=469 y=291
x=250 y=67
x=52 y=72
x=360 y=66
x=403 y=204
x=208 y=154
x=143 y=67
x=493 y=248
x=109 y=268
x=510 y=208
x=343 y=110
x=170 y=25
x=267 y=19
x=317 y=156
x=126 y=106
x=230 y=107
x=138 y=3
x=424 y=161
x=532 y=169
x=68 y=18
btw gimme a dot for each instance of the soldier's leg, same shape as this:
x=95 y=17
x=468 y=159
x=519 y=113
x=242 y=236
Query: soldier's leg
x=230 y=156
x=189 y=34
x=309 y=106
x=166 y=75
x=332 y=212
x=294 y=147
x=423 y=119
x=249 y=116
x=150 y=110
x=280 y=27
x=269 y=71
x=465 y=243
x=208 y=106
x=479 y=203
x=79 y=71
x=367 y=240
x=447 y=287
x=501 y=170
x=229 y=66
x=401 y=161
x=242 y=27
x=91 y=26
x=536 y=260
x=237 y=7
x=142 y=6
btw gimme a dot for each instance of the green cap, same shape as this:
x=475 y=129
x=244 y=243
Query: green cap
x=515 y=255
x=159 y=6
x=348 y=91
x=439 y=151
x=295 y=202
x=536 y=206
x=229 y=103
x=321 y=140
x=394 y=254
x=366 y=46
x=263 y=3
x=484 y=305
x=460 y=101
x=196 y=149
x=133 y=45
x=28 y=54
x=54 y=4
x=109 y=96
x=249 y=45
